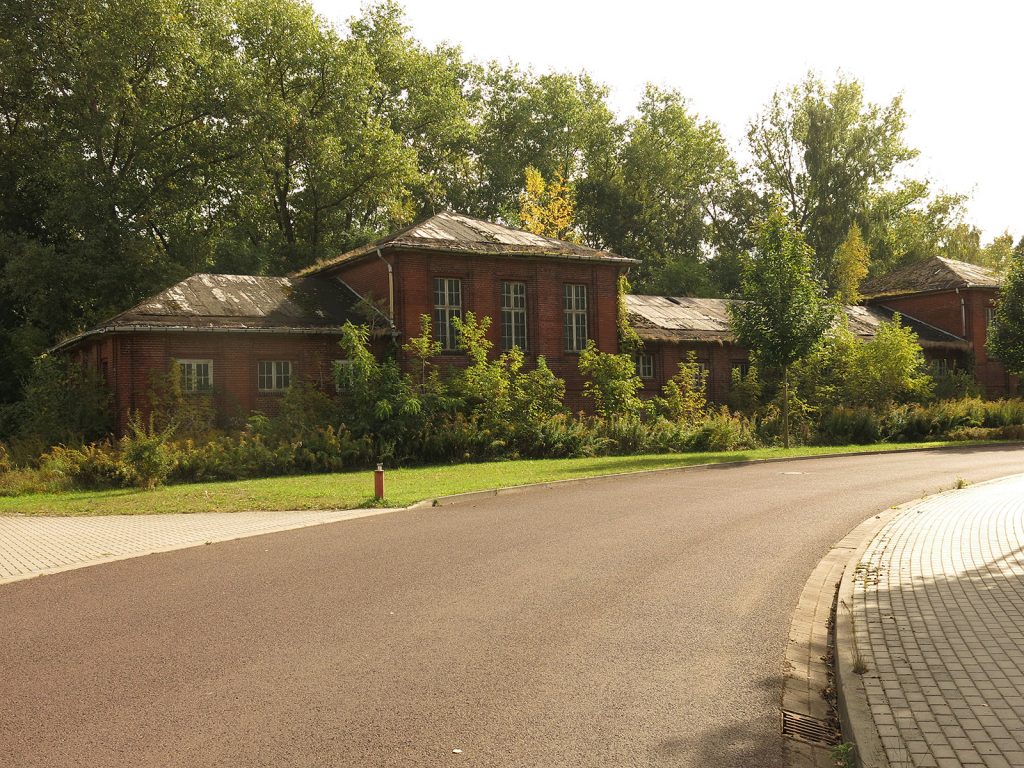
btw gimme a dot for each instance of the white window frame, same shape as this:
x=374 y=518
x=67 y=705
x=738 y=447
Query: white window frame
x=447 y=306
x=190 y=379
x=277 y=379
x=645 y=366
x=574 y=303
x=990 y=316
x=513 y=315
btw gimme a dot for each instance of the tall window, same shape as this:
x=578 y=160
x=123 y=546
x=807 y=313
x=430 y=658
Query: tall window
x=447 y=306
x=645 y=366
x=196 y=375
x=990 y=316
x=513 y=316
x=274 y=375
x=575 y=317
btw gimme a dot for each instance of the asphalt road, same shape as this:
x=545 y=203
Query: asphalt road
x=625 y=621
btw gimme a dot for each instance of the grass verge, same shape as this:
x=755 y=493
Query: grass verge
x=348 y=490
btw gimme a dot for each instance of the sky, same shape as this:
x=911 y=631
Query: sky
x=958 y=66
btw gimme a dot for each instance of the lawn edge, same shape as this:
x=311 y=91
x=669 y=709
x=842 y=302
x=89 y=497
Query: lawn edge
x=440 y=501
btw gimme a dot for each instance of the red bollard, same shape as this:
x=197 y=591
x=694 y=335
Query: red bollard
x=378 y=482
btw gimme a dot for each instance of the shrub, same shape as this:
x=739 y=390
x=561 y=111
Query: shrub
x=611 y=380
x=723 y=431
x=958 y=383
x=91 y=466
x=1007 y=432
x=186 y=416
x=147 y=457
x=62 y=403
x=844 y=426
x=684 y=396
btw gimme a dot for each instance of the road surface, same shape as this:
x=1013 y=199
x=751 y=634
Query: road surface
x=618 y=622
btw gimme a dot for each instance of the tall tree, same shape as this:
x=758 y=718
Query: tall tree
x=557 y=123
x=668 y=199
x=324 y=171
x=1006 y=334
x=114 y=128
x=784 y=313
x=820 y=152
x=429 y=97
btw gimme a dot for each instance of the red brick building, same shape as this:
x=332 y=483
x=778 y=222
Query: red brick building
x=243 y=340
x=672 y=327
x=958 y=298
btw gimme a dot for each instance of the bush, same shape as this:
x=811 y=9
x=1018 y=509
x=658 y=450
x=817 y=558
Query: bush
x=1007 y=432
x=92 y=466
x=723 y=431
x=147 y=457
x=62 y=403
x=958 y=383
x=845 y=426
x=612 y=382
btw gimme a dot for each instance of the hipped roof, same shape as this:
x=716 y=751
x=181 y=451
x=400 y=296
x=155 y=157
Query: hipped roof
x=682 y=319
x=241 y=303
x=934 y=274
x=448 y=232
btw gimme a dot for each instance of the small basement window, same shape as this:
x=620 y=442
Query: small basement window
x=196 y=375
x=274 y=375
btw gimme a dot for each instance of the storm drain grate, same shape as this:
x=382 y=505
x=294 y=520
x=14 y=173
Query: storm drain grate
x=809 y=729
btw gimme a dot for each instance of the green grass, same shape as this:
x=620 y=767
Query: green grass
x=404 y=486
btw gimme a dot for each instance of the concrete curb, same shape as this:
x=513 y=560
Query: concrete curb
x=854 y=711
x=441 y=501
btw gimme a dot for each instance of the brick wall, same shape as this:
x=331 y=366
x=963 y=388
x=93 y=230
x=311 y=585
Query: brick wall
x=132 y=358
x=481 y=277
x=719 y=358
x=963 y=314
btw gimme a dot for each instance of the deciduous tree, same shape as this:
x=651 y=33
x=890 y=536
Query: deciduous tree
x=784 y=312
x=1006 y=333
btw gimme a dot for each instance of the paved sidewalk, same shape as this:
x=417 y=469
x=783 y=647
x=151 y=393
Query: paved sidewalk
x=31 y=546
x=939 y=621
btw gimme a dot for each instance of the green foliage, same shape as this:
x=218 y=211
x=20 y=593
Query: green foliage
x=187 y=416
x=611 y=380
x=684 y=396
x=745 y=392
x=63 y=402
x=892 y=368
x=822 y=151
x=957 y=384
x=850 y=267
x=667 y=199
x=1006 y=334
x=783 y=313
x=846 y=371
x=147 y=456
x=629 y=340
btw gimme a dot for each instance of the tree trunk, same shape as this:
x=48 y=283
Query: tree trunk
x=785 y=406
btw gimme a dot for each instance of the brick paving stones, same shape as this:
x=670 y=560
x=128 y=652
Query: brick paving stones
x=31 y=546
x=939 y=622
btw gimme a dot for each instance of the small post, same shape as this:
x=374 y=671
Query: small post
x=378 y=482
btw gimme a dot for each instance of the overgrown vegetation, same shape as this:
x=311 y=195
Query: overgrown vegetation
x=847 y=391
